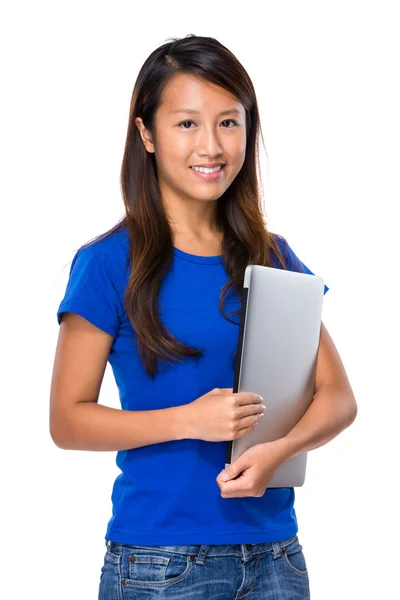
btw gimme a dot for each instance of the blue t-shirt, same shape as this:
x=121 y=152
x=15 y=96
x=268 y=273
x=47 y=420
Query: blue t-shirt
x=166 y=493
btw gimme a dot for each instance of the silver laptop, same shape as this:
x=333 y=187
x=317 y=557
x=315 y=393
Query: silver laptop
x=276 y=357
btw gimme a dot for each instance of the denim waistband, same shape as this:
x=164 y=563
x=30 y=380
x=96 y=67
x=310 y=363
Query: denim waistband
x=201 y=551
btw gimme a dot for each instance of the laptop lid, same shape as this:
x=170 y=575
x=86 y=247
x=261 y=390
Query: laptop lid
x=276 y=357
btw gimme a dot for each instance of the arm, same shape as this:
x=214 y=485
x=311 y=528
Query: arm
x=333 y=408
x=93 y=426
x=77 y=421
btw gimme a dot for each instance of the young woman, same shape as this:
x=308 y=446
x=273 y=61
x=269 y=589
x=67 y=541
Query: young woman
x=151 y=296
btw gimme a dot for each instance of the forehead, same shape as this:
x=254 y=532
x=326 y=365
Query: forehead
x=189 y=92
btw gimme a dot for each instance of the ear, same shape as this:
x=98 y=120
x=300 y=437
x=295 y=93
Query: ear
x=145 y=135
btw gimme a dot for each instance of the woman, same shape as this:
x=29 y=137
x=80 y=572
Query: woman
x=151 y=297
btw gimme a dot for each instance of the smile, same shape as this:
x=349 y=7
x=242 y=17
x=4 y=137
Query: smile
x=208 y=174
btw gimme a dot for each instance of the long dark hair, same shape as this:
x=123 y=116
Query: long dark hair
x=239 y=215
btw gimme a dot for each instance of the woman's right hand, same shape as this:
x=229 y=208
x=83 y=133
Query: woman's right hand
x=223 y=415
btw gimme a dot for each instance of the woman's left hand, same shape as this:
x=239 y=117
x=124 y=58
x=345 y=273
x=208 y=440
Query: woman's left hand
x=255 y=468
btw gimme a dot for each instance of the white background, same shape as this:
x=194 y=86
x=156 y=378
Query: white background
x=326 y=77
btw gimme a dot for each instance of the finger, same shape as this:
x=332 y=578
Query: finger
x=235 y=483
x=234 y=488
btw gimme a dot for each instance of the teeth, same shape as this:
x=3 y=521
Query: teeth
x=205 y=170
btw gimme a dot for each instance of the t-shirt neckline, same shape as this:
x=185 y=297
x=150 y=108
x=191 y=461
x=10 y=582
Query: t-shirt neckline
x=205 y=260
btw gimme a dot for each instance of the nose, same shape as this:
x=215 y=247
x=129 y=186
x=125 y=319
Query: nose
x=209 y=143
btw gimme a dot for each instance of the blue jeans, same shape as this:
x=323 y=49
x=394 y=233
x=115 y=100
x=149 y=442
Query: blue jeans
x=264 y=571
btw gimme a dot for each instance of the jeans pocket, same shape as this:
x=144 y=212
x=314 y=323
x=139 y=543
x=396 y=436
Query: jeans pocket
x=154 y=567
x=113 y=552
x=293 y=557
x=110 y=580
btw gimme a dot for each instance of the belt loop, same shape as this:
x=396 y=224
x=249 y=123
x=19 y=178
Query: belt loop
x=277 y=549
x=201 y=557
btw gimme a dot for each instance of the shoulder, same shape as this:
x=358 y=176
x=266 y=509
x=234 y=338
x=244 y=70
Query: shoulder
x=101 y=264
x=109 y=243
x=292 y=261
x=278 y=242
x=111 y=248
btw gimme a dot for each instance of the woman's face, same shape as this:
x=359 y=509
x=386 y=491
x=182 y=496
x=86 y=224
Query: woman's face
x=215 y=132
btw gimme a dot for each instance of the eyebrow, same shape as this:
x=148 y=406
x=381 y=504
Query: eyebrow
x=196 y=112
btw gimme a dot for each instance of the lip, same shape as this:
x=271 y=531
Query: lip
x=209 y=165
x=209 y=176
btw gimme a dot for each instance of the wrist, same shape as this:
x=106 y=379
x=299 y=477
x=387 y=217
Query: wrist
x=182 y=422
x=284 y=449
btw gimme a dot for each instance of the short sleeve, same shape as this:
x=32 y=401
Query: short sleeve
x=295 y=264
x=92 y=290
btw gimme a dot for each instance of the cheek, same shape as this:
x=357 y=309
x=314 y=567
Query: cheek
x=241 y=149
x=174 y=153
x=236 y=151
x=237 y=162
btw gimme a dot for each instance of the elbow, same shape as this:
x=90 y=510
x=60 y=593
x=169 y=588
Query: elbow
x=60 y=435
x=58 y=440
x=354 y=415
x=353 y=410
x=348 y=403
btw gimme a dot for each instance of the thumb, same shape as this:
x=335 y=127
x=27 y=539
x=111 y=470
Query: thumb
x=231 y=471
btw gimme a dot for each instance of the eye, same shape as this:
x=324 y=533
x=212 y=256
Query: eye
x=234 y=122
x=183 y=123
x=225 y=121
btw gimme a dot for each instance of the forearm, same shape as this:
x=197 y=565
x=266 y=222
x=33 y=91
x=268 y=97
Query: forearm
x=93 y=426
x=331 y=411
